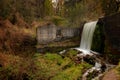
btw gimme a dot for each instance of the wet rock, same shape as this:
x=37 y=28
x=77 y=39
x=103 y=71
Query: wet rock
x=93 y=58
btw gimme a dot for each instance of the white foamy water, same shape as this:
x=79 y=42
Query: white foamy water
x=86 y=38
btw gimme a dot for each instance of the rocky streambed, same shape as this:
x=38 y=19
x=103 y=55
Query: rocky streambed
x=99 y=65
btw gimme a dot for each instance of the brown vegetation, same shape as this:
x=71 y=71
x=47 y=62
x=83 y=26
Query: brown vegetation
x=14 y=40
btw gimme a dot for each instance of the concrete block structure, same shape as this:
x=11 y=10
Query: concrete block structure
x=50 y=32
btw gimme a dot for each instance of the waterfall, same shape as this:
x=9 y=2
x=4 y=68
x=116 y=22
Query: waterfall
x=86 y=54
x=86 y=38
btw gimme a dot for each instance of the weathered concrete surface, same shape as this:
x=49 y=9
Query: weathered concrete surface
x=46 y=33
x=112 y=31
x=69 y=32
x=50 y=33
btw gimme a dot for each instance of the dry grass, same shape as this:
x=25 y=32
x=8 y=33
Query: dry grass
x=13 y=39
x=39 y=67
x=14 y=67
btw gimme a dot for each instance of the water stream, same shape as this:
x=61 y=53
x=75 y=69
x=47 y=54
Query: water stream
x=86 y=38
x=99 y=66
x=85 y=47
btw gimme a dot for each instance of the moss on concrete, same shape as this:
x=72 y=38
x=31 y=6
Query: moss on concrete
x=98 y=39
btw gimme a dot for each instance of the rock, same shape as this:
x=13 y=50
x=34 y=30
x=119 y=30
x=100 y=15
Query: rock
x=93 y=58
x=62 y=52
x=112 y=32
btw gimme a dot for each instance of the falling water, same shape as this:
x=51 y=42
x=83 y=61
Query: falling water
x=87 y=35
x=85 y=52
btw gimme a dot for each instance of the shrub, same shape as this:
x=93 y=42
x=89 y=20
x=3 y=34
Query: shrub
x=59 y=21
x=14 y=40
x=14 y=67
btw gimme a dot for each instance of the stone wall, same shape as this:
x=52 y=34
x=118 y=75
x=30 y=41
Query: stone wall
x=50 y=32
x=112 y=31
x=69 y=32
x=46 y=33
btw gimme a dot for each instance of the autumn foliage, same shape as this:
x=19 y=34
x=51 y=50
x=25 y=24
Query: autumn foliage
x=12 y=39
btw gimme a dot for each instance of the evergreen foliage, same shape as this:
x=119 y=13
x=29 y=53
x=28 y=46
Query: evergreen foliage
x=75 y=11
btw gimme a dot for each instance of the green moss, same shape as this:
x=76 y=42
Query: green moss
x=72 y=73
x=71 y=53
x=54 y=57
x=98 y=39
x=56 y=67
x=49 y=66
x=45 y=67
x=67 y=63
x=69 y=74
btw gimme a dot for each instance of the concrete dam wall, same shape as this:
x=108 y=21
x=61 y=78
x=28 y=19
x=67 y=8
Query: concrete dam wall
x=111 y=26
x=50 y=32
x=109 y=35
